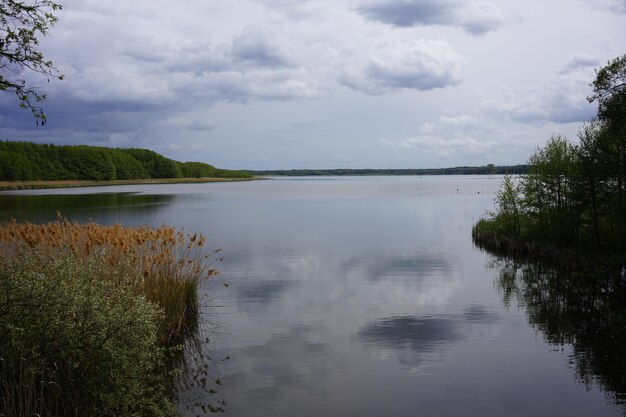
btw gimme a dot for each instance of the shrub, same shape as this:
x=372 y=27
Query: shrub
x=169 y=262
x=75 y=342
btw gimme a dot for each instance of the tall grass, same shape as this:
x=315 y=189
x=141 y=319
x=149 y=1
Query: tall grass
x=75 y=343
x=88 y=314
x=167 y=264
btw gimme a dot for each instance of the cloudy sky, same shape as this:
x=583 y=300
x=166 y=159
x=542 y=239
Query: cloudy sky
x=276 y=84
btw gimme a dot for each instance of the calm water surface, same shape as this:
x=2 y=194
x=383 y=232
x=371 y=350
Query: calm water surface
x=366 y=297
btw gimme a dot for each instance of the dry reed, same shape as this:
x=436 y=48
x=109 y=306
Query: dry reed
x=168 y=263
x=39 y=184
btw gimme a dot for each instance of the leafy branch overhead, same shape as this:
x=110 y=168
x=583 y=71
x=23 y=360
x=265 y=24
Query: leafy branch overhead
x=22 y=23
x=609 y=90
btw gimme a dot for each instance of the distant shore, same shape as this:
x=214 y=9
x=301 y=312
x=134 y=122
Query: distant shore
x=32 y=185
x=489 y=169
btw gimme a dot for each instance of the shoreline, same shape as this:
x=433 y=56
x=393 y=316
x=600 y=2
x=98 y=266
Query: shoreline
x=40 y=184
x=527 y=250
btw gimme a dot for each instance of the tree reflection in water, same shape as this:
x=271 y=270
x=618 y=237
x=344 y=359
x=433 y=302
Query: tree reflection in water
x=586 y=310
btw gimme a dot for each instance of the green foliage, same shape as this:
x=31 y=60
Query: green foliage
x=26 y=161
x=229 y=173
x=126 y=167
x=609 y=90
x=74 y=342
x=573 y=196
x=508 y=202
x=156 y=165
x=548 y=189
x=21 y=24
x=196 y=170
x=89 y=163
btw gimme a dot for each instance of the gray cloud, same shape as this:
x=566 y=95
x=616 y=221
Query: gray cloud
x=209 y=80
x=615 y=6
x=252 y=48
x=619 y=6
x=562 y=99
x=474 y=17
x=201 y=125
x=246 y=68
x=417 y=65
x=443 y=147
x=580 y=62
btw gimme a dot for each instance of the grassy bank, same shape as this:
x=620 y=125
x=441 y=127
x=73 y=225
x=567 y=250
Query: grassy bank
x=90 y=314
x=31 y=185
x=496 y=238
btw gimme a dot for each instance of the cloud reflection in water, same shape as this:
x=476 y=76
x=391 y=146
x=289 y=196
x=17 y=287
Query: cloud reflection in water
x=421 y=341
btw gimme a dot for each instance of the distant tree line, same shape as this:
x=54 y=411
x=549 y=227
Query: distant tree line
x=574 y=195
x=465 y=170
x=24 y=161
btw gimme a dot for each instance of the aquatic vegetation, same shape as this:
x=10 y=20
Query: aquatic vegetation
x=91 y=316
x=73 y=342
x=167 y=263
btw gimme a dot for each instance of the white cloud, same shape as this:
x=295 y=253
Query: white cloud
x=168 y=54
x=464 y=121
x=417 y=64
x=561 y=99
x=427 y=127
x=442 y=147
x=239 y=75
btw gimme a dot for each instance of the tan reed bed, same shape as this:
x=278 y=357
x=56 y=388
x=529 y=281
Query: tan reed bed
x=42 y=184
x=167 y=263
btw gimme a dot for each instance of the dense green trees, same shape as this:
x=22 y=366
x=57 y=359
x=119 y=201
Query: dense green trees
x=24 y=161
x=548 y=188
x=574 y=195
x=465 y=170
x=156 y=165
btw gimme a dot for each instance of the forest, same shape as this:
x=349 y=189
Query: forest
x=573 y=197
x=464 y=170
x=27 y=161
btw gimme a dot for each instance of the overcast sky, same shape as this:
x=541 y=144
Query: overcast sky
x=277 y=84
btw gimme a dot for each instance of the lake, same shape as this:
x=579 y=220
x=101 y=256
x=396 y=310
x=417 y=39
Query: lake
x=365 y=296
